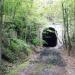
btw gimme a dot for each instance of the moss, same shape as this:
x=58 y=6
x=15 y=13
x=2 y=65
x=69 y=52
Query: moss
x=18 y=69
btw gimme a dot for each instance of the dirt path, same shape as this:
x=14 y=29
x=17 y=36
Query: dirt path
x=46 y=62
x=70 y=61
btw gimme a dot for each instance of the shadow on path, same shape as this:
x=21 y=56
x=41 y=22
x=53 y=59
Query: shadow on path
x=52 y=56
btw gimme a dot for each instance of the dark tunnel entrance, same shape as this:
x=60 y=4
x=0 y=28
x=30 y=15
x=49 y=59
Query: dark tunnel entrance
x=49 y=37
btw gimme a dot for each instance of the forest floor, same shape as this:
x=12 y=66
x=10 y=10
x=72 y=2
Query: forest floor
x=50 y=61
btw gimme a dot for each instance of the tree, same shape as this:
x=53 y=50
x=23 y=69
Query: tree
x=1 y=24
x=69 y=25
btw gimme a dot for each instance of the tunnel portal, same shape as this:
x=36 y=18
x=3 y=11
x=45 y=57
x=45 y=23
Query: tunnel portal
x=49 y=37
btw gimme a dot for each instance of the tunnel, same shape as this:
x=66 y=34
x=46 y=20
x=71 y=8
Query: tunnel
x=49 y=37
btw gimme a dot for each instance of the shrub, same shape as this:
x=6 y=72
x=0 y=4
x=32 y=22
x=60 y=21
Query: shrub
x=17 y=50
x=37 y=42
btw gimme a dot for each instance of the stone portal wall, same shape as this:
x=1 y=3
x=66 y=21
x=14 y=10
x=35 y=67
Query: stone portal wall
x=59 y=28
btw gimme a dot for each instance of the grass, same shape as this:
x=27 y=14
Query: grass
x=50 y=65
x=18 y=69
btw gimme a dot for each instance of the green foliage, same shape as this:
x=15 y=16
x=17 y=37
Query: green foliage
x=17 y=50
x=18 y=45
x=9 y=54
x=70 y=7
x=37 y=42
x=22 y=19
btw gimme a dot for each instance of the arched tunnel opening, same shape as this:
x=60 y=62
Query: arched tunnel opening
x=49 y=37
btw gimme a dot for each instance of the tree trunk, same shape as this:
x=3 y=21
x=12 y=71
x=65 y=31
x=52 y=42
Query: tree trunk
x=67 y=30
x=1 y=24
x=64 y=19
